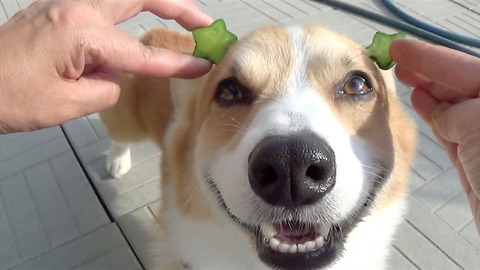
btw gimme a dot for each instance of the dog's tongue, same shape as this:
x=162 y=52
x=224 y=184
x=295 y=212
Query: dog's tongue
x=294 y=234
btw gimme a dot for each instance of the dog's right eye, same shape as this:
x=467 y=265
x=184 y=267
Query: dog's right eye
x=230 y=92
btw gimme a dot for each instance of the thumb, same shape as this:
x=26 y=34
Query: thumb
x=459 y=124
x=122 y=52
x=94 y=92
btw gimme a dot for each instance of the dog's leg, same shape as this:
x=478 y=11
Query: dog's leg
x=118 y=159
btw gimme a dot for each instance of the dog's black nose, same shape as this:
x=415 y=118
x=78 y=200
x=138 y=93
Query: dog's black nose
x=294 y=170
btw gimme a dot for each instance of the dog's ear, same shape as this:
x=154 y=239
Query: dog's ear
x=182 y=90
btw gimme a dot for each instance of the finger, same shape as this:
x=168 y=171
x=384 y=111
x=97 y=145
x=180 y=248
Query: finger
x=186 y=13
x=436 y=62
x=416 y=80
x=122 y=52
x=459 y=124
x=423 y=103
x=93 y=93
x=411 y=78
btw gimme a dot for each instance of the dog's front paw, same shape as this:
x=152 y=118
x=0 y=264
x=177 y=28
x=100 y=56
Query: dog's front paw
x=118 y=160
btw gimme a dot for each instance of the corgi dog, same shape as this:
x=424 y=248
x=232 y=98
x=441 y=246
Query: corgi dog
x=292 y=153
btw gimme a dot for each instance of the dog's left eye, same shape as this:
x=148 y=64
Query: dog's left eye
x=356 y=85
x=230 y=91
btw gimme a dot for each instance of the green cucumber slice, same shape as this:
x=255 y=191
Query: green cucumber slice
x=212 y=42
x=378 y=50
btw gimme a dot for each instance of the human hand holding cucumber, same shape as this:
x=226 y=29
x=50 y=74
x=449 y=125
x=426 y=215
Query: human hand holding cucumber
x=446 y=95
x=59 y=59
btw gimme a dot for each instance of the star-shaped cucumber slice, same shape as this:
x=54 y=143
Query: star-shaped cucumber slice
x=212 y=42
x=378 y=50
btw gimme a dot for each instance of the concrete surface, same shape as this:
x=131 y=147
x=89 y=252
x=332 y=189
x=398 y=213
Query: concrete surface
x=52 y=218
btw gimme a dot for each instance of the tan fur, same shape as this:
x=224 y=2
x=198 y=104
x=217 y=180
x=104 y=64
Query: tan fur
x=202 y=127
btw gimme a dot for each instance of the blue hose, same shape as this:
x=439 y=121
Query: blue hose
x=399 y=25
x=439 y=31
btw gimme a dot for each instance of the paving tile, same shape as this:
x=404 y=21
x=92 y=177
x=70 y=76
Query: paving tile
x=398 y=261
x=97 y=125
x=306 y=7
x=3 y=15
x=49 y=201
x=142 y=232
x=248 y=26
x=80 y=132
x=471 y=234
x=402 y=89
x=439 y=233
x=24 y=220
x=295 y=9
x=152 y=24
x=425 y=167
x=140 y=186
x=82 y=202
x=232 y=9
x=421 y=252
x=330 y=19
x=433 y=151
x=375 y=6
x=94 y=151
x=33 y=156
x=25 y=141
x=428 y=239
x=9 y=255
x=135 y=30
x=420 y=124
x=118 y=259
x=364 y=38
x=416 y=181
x=10 y=8
x=412 y=3
x=443 y=12
x=471 y=16
x=422 y=8
x=271 y=9
x=135 y=198
x=440 y=190
x=318 y=5
x=353 y=28
x=459 y=21
x=81 y=251
x=134 y=21
x=137 y=176
x=454 y=212
x=8 y=138
x=24 y=3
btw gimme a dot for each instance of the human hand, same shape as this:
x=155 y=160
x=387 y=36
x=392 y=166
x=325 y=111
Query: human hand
x=446 y=95
x=59 y=58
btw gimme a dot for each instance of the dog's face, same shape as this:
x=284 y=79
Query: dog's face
x=291 y=143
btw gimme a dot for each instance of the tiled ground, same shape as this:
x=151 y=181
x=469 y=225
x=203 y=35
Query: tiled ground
x=51 y=218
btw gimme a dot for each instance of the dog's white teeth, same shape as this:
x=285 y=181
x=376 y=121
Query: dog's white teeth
x=308 y=246
x=323 y=229
x=283 y=248
x=319 y=241
x=268 y=230
x=274 y=243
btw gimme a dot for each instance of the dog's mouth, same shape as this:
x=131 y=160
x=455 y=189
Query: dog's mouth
x=297 y=245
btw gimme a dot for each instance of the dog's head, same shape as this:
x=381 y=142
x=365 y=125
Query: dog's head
x=291 y=140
